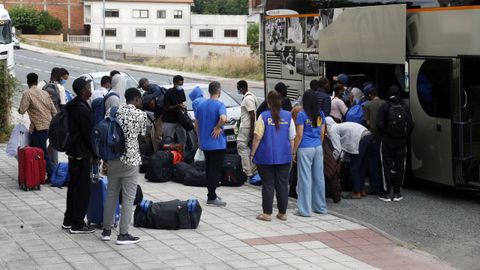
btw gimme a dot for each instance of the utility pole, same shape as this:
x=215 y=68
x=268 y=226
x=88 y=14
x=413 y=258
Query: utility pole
x=69 y=19
x=104 y=38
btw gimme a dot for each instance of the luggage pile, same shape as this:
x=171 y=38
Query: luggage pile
x=188 y=168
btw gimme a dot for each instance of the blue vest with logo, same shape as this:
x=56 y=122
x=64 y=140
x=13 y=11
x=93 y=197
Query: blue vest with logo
x=275 y=147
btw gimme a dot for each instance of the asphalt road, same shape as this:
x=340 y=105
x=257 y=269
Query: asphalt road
x=438 y=220
x=30 y=61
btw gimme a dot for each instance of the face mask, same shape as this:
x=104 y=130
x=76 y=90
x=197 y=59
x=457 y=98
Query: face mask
x=179 y=88
x=63 y=82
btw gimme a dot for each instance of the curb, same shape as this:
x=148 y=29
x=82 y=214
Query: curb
x=138 y=68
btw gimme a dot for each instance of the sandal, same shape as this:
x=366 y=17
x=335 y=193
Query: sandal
x=264 y=217
x=282 y=217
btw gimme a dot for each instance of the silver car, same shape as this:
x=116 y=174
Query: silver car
x=96 y=77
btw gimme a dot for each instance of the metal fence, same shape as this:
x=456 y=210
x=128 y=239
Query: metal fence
x=78 y=39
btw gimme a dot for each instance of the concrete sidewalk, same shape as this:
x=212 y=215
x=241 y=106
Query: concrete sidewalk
x=227 y=238
x=117 y=65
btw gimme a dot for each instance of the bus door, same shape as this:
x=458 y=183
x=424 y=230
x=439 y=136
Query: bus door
x=431 y=91
x=467 y=122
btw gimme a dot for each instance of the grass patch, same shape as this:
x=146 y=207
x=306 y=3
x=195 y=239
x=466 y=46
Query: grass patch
x=62 y=47
x=5 y=133
x=229 y=66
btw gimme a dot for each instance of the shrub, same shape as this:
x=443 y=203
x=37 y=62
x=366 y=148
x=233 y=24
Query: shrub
x=253 y=33
x=8 y=86
x=30 y=20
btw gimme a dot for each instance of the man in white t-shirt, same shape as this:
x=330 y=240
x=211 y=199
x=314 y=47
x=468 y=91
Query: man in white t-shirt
x=105 y=85
x=247 y=126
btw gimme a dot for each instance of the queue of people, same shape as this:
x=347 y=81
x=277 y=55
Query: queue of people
x=271 y=137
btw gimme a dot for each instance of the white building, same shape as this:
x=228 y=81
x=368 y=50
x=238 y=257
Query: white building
x=164 y=28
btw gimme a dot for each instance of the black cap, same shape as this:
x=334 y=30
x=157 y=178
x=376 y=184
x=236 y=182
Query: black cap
x=79 y=84
x=281 y=88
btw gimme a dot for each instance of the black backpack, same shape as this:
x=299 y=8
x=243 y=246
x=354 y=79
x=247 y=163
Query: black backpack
x=397 y=121
x=160 y=167
x=52 y=90
x=59 y=132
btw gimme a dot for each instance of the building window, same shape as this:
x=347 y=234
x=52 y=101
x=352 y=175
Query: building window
x=231 y=33
x=110 y=32
x=172 y=33
x=112 y=13
x=177 y=14
x=205 y=33
x=140 y=32
x=434 y=84
x=140 y=13
x=161 y=14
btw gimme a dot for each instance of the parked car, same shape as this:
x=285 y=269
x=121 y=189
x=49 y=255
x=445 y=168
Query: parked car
x=96 y=77
x=233 y=110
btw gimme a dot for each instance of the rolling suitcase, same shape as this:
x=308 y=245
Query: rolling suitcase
x=98 y=197
x=232 y=171
x=31 y=168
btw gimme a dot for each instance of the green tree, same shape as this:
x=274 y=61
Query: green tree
x=253 y=36
x=223 y=7
x=29 y=20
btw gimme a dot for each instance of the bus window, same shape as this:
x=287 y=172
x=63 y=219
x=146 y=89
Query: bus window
x=434 y=86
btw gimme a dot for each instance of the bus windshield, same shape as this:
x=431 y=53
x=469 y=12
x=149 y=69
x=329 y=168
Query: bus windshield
x=6 y=32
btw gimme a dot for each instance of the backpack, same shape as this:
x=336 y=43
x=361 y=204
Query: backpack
x=60 y=177
x=52 y=90
x=108 y=140
x=355 y=114
x=98 y=107
x=397 y=121
x=160 y=167
x=59 y=132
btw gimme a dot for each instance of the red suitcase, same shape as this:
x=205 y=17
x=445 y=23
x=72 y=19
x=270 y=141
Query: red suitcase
x=31 y=168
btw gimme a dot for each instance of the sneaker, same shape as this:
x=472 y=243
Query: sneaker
x=264 y=217
x=126 y=239
x=397 y=197
x=84 y=230
x=66 y=226
x=218 y=202
x=384 y=198
x=106 y=235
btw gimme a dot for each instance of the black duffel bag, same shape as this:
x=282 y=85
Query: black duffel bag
x=191 y=175
x=170 y=215
x=160 y=167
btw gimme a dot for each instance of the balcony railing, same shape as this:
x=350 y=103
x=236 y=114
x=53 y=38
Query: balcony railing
x=75 y=39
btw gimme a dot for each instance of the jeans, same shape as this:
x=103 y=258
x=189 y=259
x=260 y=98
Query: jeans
x=39 y=139
x=244 y=151
x=358 y=162
x=213 y=163
x=374 y=164
x=123 y=178
x=172 y=129
x=78 y=194
x=311 y=181
x=274 y=179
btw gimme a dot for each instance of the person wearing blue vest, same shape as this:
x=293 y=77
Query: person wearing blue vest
x=210 y=117
x=309 y=157
x=272 y=153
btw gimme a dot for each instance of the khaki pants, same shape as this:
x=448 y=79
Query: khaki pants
x=244 y=151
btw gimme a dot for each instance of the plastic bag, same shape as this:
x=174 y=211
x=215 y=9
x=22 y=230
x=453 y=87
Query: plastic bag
x=19 y=138
x=199 y=156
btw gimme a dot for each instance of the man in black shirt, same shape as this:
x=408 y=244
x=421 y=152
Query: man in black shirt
x=80 y=158
x=173 y=104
